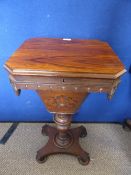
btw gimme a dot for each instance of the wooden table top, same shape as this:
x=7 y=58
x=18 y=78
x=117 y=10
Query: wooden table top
x=65 y=57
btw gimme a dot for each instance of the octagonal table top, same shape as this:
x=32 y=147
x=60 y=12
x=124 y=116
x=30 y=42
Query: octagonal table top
x=65 y=57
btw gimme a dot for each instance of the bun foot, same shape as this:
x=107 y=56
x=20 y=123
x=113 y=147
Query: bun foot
x=41 y=159
x=44 y=130
x=84 y=161
x=127 y=125
x=83 y=132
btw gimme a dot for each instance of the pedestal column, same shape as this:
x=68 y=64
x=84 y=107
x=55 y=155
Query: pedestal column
x=63 y=138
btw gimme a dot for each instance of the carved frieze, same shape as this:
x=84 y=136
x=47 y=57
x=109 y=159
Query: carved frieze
x=63 y=84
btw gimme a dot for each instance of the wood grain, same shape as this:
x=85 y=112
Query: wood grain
x=58 y=57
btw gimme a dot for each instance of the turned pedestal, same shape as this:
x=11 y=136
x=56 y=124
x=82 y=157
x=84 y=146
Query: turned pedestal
x=63 y=72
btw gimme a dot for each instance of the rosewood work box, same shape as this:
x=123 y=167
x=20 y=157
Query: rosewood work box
x=64 y=72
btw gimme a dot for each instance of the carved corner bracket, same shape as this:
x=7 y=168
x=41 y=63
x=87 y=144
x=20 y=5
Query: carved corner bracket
x=17 y=91
x=113 y=89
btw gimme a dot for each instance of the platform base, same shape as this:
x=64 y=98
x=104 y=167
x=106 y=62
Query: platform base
x=72 y=147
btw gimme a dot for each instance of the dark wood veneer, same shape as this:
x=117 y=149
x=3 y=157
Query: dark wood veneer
x=77 y=58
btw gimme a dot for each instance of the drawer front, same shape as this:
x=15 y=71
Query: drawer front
x=55 y=84
x=40 y=81
x=64 y=84
x=57 y=80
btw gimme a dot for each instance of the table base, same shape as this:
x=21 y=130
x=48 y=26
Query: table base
x=68 y=145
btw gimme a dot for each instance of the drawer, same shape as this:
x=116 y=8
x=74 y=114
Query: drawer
x=64 y=81
x=87 y=81
x=65 y=85
x=38 y=82
x=38 y=79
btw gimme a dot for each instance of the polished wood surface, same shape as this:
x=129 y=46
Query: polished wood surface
x=75 y=57
x=64 y=73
